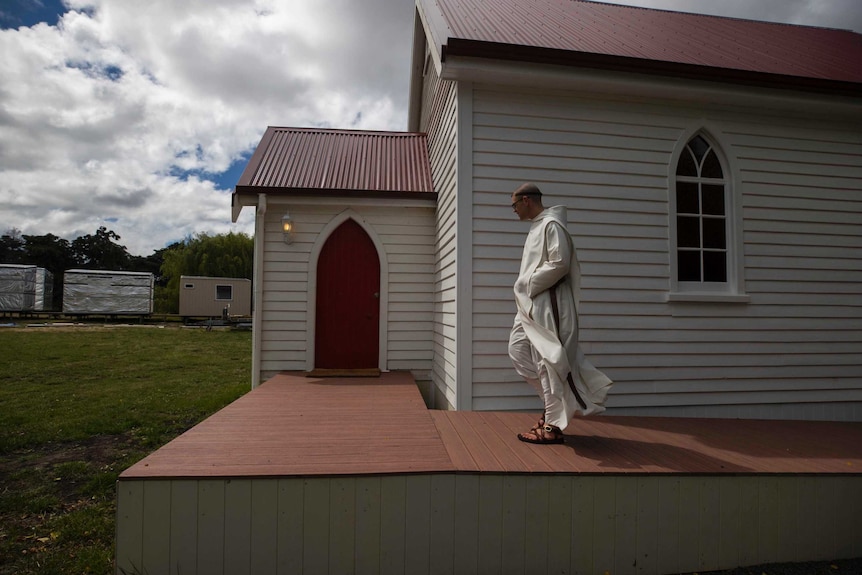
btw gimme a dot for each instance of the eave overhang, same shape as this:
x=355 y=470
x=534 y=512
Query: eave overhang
x=466 y=48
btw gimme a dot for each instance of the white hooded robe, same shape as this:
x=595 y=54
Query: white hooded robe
x=549 y=261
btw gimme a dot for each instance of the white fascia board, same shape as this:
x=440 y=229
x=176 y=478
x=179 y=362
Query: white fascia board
x=239 y=201
x=417 y=58
x=624 y=86
x=436 y=31
x=274 y=200
x=277 y=201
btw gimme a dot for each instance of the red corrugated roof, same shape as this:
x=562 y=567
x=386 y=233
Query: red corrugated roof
x=297 y=160
x=611 y=32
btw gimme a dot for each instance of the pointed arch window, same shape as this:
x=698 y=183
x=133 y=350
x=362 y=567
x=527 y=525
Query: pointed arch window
x=701 y=215
x=703 y=221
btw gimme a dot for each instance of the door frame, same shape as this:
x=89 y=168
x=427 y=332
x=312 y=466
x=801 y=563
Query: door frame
x=314 y=256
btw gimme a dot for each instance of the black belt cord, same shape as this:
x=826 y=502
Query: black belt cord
x=556 y=310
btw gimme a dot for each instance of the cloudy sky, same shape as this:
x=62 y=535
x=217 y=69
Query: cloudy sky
x=140 y=116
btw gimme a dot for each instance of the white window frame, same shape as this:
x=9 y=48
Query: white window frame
x=732 y=290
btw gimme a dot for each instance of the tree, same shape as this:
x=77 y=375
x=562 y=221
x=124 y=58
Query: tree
x=151 y=263
x=12 y=247
x=223 y=255
x=55 y=255
x=99 y=251
x=49 y=252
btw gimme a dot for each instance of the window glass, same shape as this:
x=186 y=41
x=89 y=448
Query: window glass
x=688 y=231
x=689 y=266
x=714 y=267
x=687 y=198
x=713 y=233
x=711 y=166
x=224 y=292
x=713 y=199
x=699 y=147
x=687 y=165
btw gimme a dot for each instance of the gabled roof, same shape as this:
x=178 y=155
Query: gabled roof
x=596 y=35
x=321 y=162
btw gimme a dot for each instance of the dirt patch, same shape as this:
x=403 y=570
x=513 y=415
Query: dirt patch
x=102 y=449
x=23 y=470
x=57 y=502
x=53 y=500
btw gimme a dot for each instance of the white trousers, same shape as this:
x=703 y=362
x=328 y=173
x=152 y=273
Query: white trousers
x=528 y=364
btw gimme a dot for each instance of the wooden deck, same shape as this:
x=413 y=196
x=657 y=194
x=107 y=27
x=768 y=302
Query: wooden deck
x=294 y=425
x=485 y=442
x=300 y=426
x=355 y=475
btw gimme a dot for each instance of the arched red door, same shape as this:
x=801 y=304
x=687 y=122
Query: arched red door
x=348 y=301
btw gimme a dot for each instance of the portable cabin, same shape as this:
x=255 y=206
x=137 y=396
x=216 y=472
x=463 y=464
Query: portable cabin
x=107 y=292
x=202 y=296
x=25 y=288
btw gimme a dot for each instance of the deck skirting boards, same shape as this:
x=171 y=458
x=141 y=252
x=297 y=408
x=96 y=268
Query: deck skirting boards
x=484 y=523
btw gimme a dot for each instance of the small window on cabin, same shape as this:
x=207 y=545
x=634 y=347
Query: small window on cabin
x=224 y=292
x=189 y=286
x=701 y=217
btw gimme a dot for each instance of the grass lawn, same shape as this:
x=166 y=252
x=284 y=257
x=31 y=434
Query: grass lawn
x=78 y=406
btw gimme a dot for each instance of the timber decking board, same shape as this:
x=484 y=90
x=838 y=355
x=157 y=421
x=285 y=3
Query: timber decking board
x=458 y=452
x=295 y=425
x=661 y=445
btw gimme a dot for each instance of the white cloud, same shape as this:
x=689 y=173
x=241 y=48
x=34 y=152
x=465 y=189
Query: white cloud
x=101 y=114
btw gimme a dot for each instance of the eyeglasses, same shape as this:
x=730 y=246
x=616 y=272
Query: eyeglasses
x=515 y=203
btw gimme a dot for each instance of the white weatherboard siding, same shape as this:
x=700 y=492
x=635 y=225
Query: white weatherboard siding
x=790 y=349
x=406 y=236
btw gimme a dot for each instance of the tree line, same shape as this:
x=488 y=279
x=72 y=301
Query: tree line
x=221 y=255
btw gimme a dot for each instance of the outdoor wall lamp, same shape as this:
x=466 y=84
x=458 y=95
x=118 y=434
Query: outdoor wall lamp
x=287 y=228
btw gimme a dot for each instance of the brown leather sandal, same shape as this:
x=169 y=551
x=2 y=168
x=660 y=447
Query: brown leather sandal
x=539 y=425
x=546 y=434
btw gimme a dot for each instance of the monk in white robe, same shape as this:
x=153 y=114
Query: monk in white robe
x=543 y=344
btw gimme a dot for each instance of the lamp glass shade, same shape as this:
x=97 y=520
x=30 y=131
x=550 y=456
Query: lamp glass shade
x=287 y=228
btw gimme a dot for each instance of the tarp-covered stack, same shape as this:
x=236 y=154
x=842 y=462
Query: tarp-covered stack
x=107 y=292
x=25 y=288
x=44 y=297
